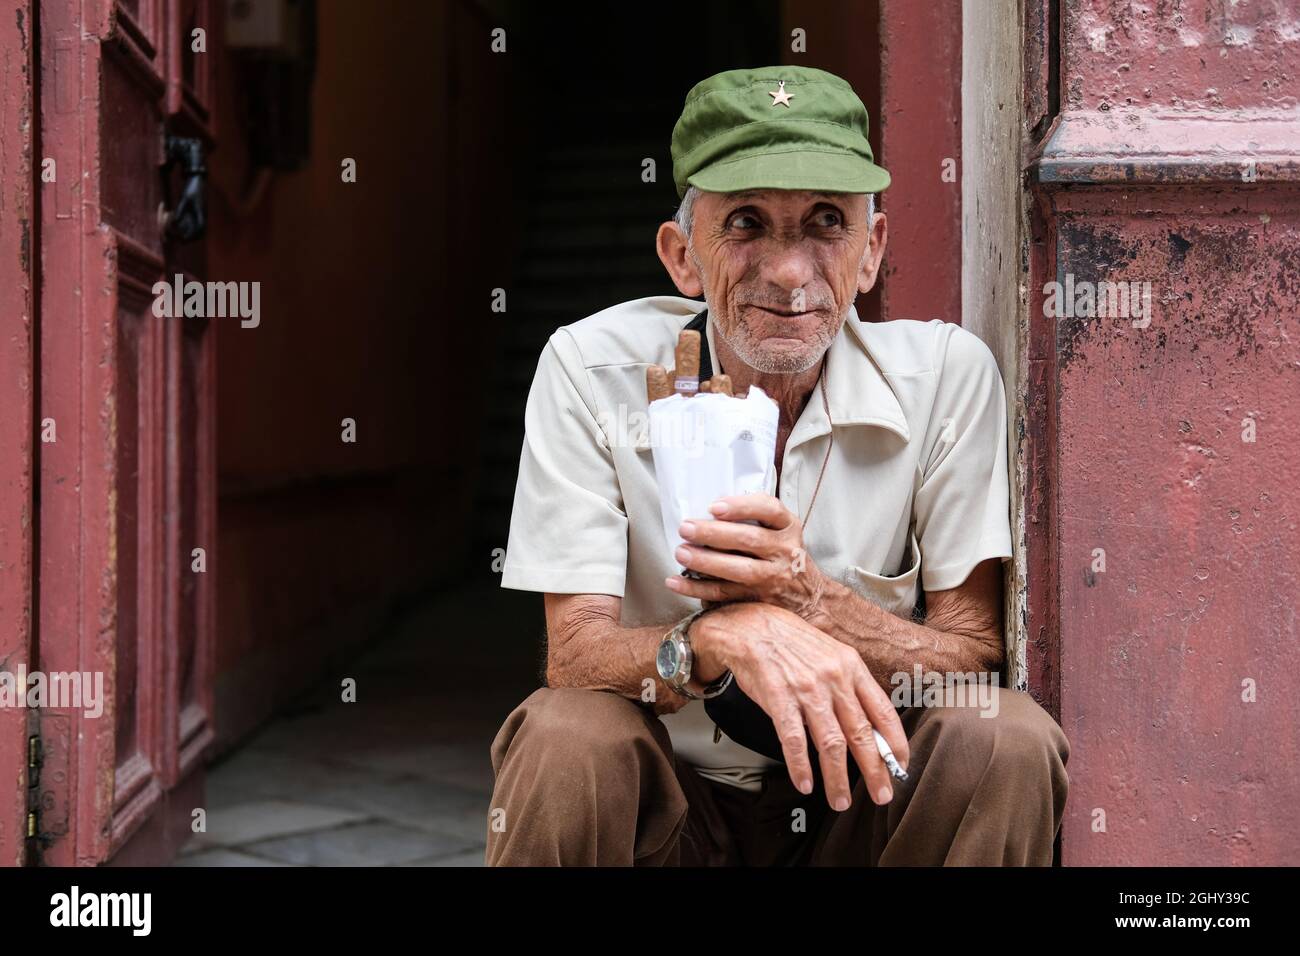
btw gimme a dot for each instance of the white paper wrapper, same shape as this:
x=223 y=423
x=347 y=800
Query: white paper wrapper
x=709 y=446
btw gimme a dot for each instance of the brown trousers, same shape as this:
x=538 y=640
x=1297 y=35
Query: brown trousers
x=587 y=778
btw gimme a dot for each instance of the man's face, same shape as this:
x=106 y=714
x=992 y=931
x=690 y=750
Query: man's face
x=780 y=269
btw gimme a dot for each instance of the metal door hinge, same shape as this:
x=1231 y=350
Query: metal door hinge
x=33 y=787
x=48 y=737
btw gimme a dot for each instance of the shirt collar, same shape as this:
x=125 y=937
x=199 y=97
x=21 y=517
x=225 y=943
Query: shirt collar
x=856 y=389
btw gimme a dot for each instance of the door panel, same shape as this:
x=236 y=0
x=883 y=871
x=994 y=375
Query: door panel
x=126 y=494
x=190 y=78
x=138 y=495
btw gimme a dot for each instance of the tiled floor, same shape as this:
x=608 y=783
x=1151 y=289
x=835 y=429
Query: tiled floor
x=402 y=776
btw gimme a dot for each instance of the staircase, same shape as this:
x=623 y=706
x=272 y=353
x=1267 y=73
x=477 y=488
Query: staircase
x=587 y=244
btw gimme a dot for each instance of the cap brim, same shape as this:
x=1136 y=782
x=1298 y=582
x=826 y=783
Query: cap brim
x=821 y=170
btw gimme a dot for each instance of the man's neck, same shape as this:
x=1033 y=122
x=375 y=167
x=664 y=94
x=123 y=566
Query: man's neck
x=790 y=392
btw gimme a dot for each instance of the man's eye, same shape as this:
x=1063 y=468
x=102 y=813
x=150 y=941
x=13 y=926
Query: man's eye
x=828 y=219
x=743 y=220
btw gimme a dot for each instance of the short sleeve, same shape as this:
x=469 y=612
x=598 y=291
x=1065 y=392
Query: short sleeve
x=962 y=503
x=568 y=529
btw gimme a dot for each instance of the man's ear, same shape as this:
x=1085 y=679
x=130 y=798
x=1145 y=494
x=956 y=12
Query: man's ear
x=671 y=244
x=875 y=253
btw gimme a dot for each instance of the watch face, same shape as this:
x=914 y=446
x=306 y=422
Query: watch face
x=668 y=659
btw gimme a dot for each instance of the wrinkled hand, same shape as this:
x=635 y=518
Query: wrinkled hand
x=802 y=676
x=767 y=563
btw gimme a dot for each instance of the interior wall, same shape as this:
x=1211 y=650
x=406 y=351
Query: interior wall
x=368 y=299
x=843 y=37
x=904 y=61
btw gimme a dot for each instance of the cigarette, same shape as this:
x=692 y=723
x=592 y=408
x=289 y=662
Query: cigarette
x=657 y=383
x=895 y=769
x=686 y=381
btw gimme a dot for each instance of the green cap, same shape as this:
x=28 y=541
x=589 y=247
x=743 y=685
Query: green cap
x=778 y=127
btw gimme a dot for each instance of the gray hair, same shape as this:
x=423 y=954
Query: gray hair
x=685 y=215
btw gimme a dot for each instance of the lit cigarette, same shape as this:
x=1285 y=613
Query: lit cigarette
x=895 y=769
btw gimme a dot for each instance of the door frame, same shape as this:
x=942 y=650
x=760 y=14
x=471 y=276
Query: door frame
x=18 y=283
x=129 y=469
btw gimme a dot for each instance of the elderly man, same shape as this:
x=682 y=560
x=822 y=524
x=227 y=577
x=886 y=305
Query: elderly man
x=892 y=476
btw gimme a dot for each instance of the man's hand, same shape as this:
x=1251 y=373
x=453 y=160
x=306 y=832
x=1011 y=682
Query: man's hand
x=768 y=562
x=800 y=675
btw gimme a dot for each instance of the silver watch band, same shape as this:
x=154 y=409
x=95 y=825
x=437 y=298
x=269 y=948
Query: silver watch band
x=682 y=677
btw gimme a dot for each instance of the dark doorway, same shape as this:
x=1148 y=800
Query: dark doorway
x=373 y=562
x=597 y=96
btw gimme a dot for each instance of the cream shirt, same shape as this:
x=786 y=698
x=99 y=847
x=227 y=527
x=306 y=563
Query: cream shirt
x=915 y=492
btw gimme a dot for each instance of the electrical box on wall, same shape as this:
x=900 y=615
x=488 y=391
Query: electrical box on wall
x=271 y=28
x=273 y=44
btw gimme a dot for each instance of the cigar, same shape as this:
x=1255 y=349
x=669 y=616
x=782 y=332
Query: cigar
x=657 y=383
x=686 y=381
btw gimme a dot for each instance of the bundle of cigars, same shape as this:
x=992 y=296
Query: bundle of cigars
x=708 y=447
x=685 y=378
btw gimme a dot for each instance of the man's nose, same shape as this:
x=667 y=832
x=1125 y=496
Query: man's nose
x=788 y=266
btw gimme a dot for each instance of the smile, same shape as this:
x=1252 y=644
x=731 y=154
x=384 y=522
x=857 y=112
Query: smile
x=781 y=314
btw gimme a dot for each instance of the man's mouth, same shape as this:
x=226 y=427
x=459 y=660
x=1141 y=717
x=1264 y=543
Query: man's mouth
x=784 y=313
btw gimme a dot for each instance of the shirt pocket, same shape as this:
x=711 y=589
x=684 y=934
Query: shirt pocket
x=897 y=594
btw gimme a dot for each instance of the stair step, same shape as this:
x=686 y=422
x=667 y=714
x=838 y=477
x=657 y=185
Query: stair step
x=653 y=206
x=585 y=268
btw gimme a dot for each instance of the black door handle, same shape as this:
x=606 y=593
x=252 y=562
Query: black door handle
x=187 y=220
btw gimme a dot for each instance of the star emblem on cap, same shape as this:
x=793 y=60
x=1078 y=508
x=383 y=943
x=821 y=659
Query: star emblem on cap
x=780 y=96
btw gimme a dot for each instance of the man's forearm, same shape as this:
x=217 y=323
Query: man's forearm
x=890 y=645
x=587 y=648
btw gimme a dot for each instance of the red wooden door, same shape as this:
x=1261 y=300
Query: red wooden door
x=126 y=491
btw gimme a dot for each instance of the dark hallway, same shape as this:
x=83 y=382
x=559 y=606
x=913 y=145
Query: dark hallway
x=537 y=198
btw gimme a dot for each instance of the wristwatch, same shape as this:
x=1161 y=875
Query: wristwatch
x=674 y=662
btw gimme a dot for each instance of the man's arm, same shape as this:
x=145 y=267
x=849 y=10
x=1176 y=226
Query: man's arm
x=962 y=631
x=768 y=562
x=800 y=676
x=587 y=647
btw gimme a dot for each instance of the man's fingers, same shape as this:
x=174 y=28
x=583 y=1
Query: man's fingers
x=739 y=568
x=764 y=509
x=832 y=753
x=730 y=536
x=719 y=592
x=794 y=743
x=880 y=711
x=862 y=743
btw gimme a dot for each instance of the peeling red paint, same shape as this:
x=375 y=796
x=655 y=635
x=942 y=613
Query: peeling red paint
x=1181 y=54
x=1176 y=555
x=1198 y=529
x=16 y=414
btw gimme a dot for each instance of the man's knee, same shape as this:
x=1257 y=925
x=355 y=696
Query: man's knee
x=584 y=777
x=565 y=726
x=1011 y=734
